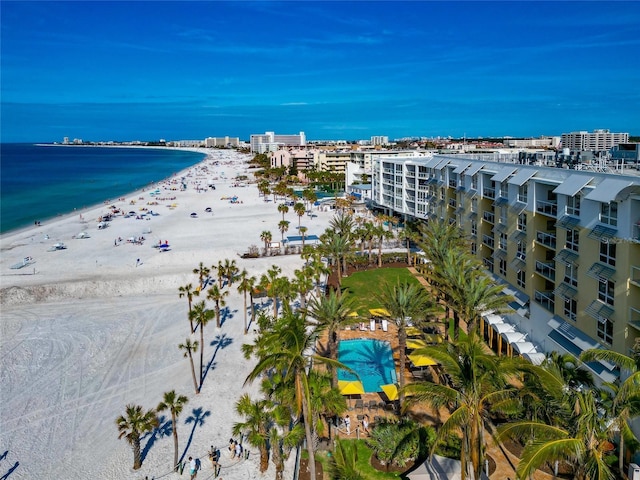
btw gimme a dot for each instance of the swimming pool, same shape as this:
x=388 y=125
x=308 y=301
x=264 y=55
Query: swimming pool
x=371 y=359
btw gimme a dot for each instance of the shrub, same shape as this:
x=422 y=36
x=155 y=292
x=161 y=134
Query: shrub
x=399 y=442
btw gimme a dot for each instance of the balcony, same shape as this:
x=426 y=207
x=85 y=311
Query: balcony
x=452 y=183
x=546 y=270
x=488 y=241
x=546 y=239
x=547 y=208
x=452 y=202
x=489 y=217
x=489 y=193
x=545 y=299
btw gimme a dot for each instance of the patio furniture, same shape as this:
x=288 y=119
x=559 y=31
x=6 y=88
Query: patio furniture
x=373 y=405
x=359 y=404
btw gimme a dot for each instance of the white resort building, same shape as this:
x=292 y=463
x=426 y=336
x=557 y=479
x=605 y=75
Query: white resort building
x=565 y=243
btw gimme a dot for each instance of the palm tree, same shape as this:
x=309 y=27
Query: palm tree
x=332 y=313
x=174 y=403
x=258 y=421
x=202 y=273
x=190 y=347
x=283 y=226
x=303 y=284
x=221 y=272
x=381 y=235
x=189 y=292
x=337 y=247
x=300 y=209
x=268 y=284
x=283 y=208
x=405 y=302
x=625 y=395
x=231 y=270
x=285 y=348
x=266 y=237
x=478 y=380
x=246 y=285
x=342 y=224
x=202 y=317
x=217 y=295
x=344 y=461
x=303 y=233
x=132 y=425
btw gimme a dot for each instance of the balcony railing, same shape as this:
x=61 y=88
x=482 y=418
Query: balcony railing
x=488 y=217
x=547 y=270
x=546 y=239
x=488 y=240
x=548 y=208
x=546 y=299
x=489 y=193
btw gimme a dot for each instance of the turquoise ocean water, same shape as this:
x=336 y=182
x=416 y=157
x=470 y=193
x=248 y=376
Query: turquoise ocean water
x=39 y=182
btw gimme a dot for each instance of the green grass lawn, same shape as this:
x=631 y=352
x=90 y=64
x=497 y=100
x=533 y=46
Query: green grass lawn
x=365 y=285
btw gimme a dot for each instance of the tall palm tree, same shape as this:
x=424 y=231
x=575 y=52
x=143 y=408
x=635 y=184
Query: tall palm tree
x=190 y=348
x=268 y=284
x=303 y=284
x=221 y=272
x=283 y=208
x=132 y=425
x=478 y=380
x=331 y=314
x=342 y=224
x=381 y=234
x=246 y=285
x=336 y=248
x=405 y=302
x=283 y=226
x=202 y=273
x=303 y=234
x=230 y=270
x=266 y=237
x=202 y=316
x=189 y=292
x=285 y=348
x=174 y=403
x=256 y=426
x=217 y=295
x=300 y=210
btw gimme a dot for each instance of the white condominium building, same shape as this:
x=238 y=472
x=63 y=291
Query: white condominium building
x=565 y=243
x=270 y=142
x=598 y=140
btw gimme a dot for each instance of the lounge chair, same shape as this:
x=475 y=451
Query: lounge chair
x=359 y=404
x=373 y=405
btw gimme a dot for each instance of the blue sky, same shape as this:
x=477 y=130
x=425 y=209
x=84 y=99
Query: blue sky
x=335 y=70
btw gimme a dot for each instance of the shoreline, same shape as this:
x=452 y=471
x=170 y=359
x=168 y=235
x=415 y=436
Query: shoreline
x=62 y=216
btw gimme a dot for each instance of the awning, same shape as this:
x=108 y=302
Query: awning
x=501 y=227
x=522 y=176
x=518 y=264
x=607 y=190
x=517 y=207
x=461 y=168
x=519 y=235
x=493 y=319
x=600 y=270
x=442 y=164
x=500 y=201
x=566 y=256
x=535 y=358
x=572 y=185
x=475 y=168
x=432 y=162
x=513 y=337
x=566 y=291
x=524 y=347
x=602 y=232
x=575 y=342
x=568 y=222
x=503 y=174
x=500 y=254
x=599 y=310
x=503 y=327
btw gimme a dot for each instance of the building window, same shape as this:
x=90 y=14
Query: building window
x=608 y=253
x=474 y=204
x=573 y=240
x=503 y=215
x=523 y=193
x=605 y=330
x=571 y=275
x=474 y=182
x=474 y=248
x=521 y=278
x=522 y=251
x=474 y=228
x=502 y=267
x=573 y=206
x=504 y=189
x=605 y=291
x=609 y=213
x=571 y=309
x=503 y=241
x=522 y=222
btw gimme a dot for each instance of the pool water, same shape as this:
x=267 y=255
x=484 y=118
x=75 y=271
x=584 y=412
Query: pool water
x=371 y=359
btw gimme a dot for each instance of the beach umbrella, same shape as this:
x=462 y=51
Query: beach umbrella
x=391 y=391
x=415 y=343
x=379 y=312
x=350 y=387
x=413 y=332
x=421 y=360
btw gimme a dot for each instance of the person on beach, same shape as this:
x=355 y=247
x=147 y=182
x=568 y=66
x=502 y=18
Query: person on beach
x=214 y=455
x=232 y=448
x=193 y=468
x=238 y=448
x=365 y=424
x=347 y=424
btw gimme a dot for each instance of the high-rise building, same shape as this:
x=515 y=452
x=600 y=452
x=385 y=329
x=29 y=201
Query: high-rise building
x=565 y=243
x=270 y=142
x=597 y=141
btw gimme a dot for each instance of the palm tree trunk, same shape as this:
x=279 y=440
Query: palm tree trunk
x=475 y=446
x=380 y=254
x=137 y=459
x=264 y=459
x=245 y=312
x=193 y=374
x=201 y=355
x=253 y=309
x=308 y=436
x=175 y=440
x=218 y=314
x=402 y=340
x=333 y=354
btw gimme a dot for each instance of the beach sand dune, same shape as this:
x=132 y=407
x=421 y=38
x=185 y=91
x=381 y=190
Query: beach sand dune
x=98 y=326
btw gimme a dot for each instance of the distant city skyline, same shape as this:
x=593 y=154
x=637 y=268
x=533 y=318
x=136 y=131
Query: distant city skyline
x=126 y=71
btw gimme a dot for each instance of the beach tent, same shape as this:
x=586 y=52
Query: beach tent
x=439 y=468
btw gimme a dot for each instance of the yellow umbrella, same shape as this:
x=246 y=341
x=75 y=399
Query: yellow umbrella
x=380 y=312
x=416 y=343
x=350 y=387
x=390 y=390
x=433 y=338
x=413 y=332
x=421 y=360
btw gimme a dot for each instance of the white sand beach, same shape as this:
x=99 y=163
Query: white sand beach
x=90 y=328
